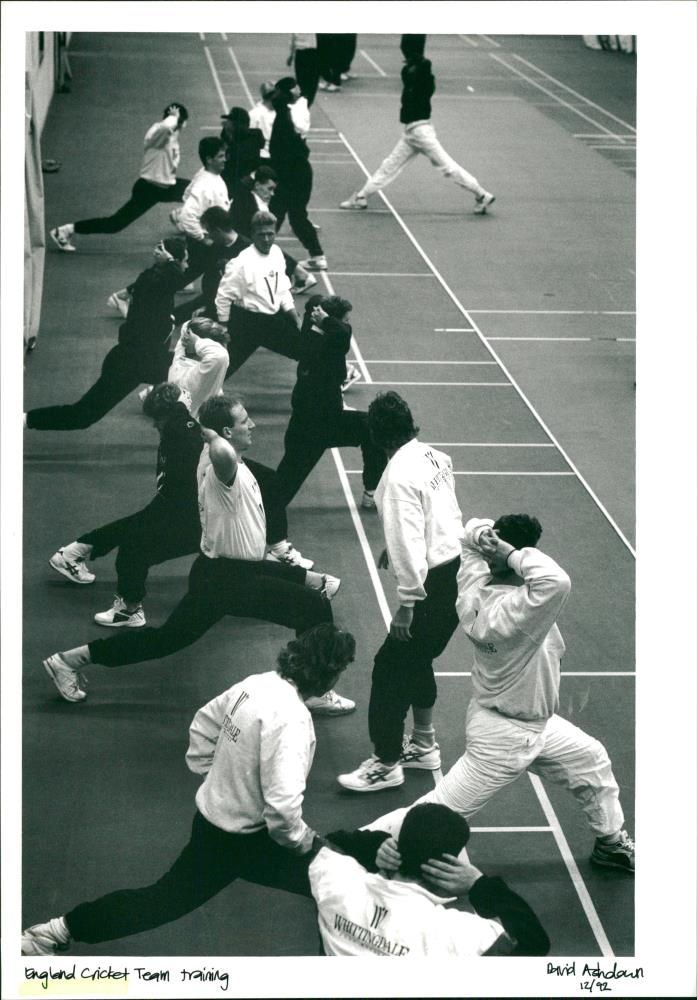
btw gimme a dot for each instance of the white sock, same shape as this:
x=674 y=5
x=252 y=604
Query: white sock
x=315 y=581
x=77 y=551
x=60 y=929
x=424 y=737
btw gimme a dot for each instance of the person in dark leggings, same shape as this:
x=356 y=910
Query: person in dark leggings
x=318 y=420
x=142 y=353
x=254 y=746
x=243 y=146
x=345 y=51
x=230 y=576
x=158 y=182
x=305 y=62
x=290 y=157
x=329 y=55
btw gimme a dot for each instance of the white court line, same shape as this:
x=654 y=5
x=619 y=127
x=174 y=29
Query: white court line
x=380 y=274
x=510 y=829
x=564 y=673
x=497 y=44
x=487 y=444
x=559 y=100
x=579 y=884
x=223 y=36
x=372 y=62
x=313 y=129
x=453 y=329
x=490 y=385
x=313 y=139
x=565 y=339
x=375 y=361
x=330 y=163
x=216 y=79
x=235 y=63
x=201 y=36
x=551 y=312
x=598 y=135
x=470 y=41
x=359 y=472
x=570 y=90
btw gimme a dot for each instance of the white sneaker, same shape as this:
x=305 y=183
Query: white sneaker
x=290 y=556
x=353 y=374
x=368 y=501
x=118 y=617
x=315 y=263
x=348 y=76
x=482 y=202
x=74 y=570
x=330 y=703
x=354 y=202
x=65 y=678
x=322 y=85
x=118 y=302
x=46 y=939
x=174 y=217
x=333 y=88
x=426 y=758
x=301 y=287
x=61 y=237
x=330 y=586
x=372 y=776
x=144 y=392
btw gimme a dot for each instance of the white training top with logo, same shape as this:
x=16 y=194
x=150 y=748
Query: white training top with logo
x=233 y=521
x=360 y=913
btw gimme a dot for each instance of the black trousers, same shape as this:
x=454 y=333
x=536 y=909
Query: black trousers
x=123 y=370
x=143 y=196
x=211 y=860
x=249 y=330
x=329 y=53
x=157 y=533
x=344 y=51
x=403 y=671
x=306 y=441
x=307 y=73
x=271 y=592
x=291 y=198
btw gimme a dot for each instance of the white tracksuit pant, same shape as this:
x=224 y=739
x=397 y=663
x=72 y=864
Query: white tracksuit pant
x=419 y=137
x=498 y=751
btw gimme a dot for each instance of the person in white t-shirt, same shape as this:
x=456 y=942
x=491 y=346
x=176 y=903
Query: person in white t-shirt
x=363 y=913
x=206 y=190
x=200 y=360
x=254 y=745
x=423 y=529
x=509 y=597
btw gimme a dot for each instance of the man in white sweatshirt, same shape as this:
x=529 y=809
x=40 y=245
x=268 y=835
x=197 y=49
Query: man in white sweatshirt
x=254 y=744
x=423 y=531
x=206 y=190
x=200 y=360
x=254 y=298
x=510 y=595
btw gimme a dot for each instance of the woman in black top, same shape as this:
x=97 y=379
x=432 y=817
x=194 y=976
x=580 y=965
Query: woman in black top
x=243 y=146
x=142 y=353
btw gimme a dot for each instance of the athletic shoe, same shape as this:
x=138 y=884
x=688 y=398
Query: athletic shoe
x=145 y=392
x=119 y=303
x=333 y=88
x=372 y=776
x=46 y=939
x=61 y=237
x=619 y=855
x=315 y=263
x=354 y=202
x=74 y=570
x=300 y=287
x=353 y=374
x=118 y=617
x=425 y=758
x=174 y=217
x=482 y=202
x=290 y=556
x=314 y=225
x=322 y=85
x=348 y=76
x=330 y=586
x=65 y=678
x=368 y=501
x=330 y=703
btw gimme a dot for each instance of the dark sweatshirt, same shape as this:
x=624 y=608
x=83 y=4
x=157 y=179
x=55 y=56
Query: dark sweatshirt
x=177 y=459
x=419 y=85
x=149 y=321
x=321 y=369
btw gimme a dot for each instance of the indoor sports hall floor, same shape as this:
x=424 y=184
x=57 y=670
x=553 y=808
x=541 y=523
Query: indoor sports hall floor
x=512 y=337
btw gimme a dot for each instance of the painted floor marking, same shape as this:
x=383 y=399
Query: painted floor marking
x=562 y=340
x=453 y=329
x=489 y=385
x=564 y=673
x=372 y=62
x=552 y=312
x=381 y=274
x=477 y=472
x=375 y=361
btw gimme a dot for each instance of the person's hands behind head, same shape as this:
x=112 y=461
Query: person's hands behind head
x=450 y=875
x=388 y=859
x=318 y=315
x=208 y=434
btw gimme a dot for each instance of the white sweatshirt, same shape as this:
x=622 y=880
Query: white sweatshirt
x=202 y=376
x=255 y=281
x=365 y=914
x=205 y=191
x=517 y=645
x=421 y=517
x=263 y=118
x=161 y=152
x=255 y=744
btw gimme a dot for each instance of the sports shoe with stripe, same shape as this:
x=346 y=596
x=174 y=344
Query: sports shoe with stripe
x=618 y=855
x=413 y=755
x=119 y=301
x=315 y=263
x=300 y=287
x=356 y=201
x=74 y=570
x=118 y=617
x=66 y=679
x=353 y=374
x=330 y=586
x=61 y=237
x=330 y=703
x=285 y=552
x=50 y=938
x=482 y=202
x=372 y=776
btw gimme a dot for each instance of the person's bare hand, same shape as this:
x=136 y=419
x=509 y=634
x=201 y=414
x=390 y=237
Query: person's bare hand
x=388 y=858
x=401 y=623
x=450 y=874
x=318 y=314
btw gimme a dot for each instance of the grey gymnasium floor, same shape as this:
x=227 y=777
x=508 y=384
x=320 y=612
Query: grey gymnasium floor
x=511 y=336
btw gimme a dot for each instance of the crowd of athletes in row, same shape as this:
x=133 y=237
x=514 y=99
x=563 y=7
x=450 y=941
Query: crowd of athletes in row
x=381 y=889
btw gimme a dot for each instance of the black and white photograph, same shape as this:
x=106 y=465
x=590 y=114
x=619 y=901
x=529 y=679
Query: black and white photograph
x=348 y=499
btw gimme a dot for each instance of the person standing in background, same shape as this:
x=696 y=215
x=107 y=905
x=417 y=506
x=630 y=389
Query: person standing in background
x=304 y=59
x=345 y=48
x=329 y=58
x=243 y=148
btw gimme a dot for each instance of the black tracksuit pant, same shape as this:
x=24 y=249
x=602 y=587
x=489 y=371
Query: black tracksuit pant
x=307 y=73
x=269 y=591
x=143 y=196
x=211 y=860
x=249 y=330
x=329 y=58
x=123 y=370
x=291 y=198
x=403 y=671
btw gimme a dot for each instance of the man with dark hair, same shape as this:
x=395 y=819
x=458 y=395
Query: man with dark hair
x=157 y=182
x=423 y=530
x=509 y=597
x=254 y=744
x=206 y=190
x=230 y=575
x=418 y=136
x=363 y=913
x=143 y=351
